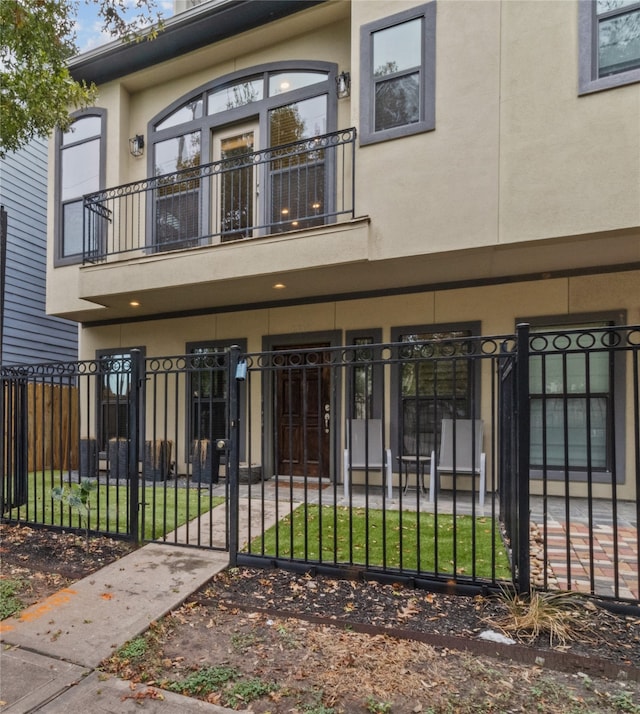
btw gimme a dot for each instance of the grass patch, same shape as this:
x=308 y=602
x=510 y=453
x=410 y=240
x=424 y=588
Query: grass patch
x=227 y=681
x=109 y=506
x=203 y=681
x=10 y=603
x=393 y=539
x=134 y=649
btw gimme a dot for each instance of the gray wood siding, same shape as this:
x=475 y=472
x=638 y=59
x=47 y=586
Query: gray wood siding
x=29 y=334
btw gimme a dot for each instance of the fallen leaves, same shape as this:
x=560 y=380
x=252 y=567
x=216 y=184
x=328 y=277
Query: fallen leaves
x=147 y=693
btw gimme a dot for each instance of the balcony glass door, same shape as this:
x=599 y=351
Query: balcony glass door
x=235 y=187
x=177 y=194
x=298 y=173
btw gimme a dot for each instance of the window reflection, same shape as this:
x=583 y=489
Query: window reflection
x=80 y=172
x=188 y=112
x=619 y=43
x=397 y=60
x=235 y=95
x=397 y=48
x=280 y=82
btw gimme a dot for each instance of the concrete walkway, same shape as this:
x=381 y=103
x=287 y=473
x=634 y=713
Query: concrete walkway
x=51 y=649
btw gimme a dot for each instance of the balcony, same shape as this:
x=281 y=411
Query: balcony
x=296 y=186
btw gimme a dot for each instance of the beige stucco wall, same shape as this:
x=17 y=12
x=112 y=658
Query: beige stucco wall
x=516 y=154
x=496 y=307
x=521 y=176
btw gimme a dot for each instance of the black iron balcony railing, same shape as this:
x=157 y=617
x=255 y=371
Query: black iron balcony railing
x=283 y=188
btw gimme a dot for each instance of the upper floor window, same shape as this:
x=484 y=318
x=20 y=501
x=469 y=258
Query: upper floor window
x=220 y=130
x=397 y=60
x=609 y=43
x=80 y=171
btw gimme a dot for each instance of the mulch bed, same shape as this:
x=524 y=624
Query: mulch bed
x=602 y=642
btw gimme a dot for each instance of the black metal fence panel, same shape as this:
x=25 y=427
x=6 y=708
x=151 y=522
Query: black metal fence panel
x=456 y=462
x=379 y=460
x=584 y=460
x=108 y=447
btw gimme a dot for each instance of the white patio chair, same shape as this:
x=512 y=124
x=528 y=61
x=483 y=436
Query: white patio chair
x=469 y=457
x=365 y=452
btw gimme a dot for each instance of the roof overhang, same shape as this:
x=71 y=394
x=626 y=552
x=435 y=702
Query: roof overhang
x=203 y=25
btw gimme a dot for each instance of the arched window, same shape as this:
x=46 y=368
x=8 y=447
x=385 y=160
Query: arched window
x=80 y=167
x=229 y=123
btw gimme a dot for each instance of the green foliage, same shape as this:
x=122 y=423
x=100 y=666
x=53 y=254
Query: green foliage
x=388 y=538
x=623 y=702
x=134 y=649
x=376 y=707
x=242 y=641
x=248 y=690
x=9 y=603
x=77 y=496
x=37 y=40
x=203 y=681
x=108 y=506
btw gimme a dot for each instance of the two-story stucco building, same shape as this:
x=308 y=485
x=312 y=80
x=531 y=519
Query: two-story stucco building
x=416 y=169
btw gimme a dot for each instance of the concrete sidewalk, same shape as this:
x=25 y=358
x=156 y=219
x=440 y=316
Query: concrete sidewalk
x=50 y=650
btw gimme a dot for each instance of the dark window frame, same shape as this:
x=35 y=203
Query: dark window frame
x=224 y=345
x=427 y=121
x=589 y=80
x=617 y=400
x=59 y=258
x=258 y=111
x=474 y=377
x=100 y=402
x=377 y=370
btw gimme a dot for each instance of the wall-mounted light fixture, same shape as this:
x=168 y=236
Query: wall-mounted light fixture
x=136 y=145
x=343 y=85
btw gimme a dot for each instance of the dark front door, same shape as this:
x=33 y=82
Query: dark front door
x=303 y=413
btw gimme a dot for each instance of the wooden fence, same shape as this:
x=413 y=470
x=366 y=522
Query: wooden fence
x=52 y=425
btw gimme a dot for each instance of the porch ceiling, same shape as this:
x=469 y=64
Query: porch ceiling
x=338 y=267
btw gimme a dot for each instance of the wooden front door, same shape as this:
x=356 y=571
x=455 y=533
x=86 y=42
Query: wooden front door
x=303 y=414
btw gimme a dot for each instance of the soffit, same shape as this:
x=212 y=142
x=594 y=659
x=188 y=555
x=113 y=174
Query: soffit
x=188 y=31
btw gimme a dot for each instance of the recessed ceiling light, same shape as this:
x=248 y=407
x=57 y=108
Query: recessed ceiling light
x=134 y=303
x=279 y=286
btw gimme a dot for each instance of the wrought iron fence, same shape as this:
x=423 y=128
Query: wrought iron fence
x=283 y=188
x=379 y=460
x=458 y=462
x=118 y=424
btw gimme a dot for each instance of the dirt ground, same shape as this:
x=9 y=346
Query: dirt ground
x=279 y=642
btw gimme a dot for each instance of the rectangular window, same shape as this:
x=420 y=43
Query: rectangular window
x=397 y=58
x=209 y=390
x=366 y=387
x=115 y=387
x=80 y=172
x=297 y=178
x=609 y=33
x=570 y=395
x=177 y=195
x=436 y=381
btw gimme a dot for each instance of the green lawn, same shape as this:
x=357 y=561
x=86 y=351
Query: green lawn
x=109 y=505
x=356 y=536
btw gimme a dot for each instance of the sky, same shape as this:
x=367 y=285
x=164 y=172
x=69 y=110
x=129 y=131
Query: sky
x=89 y=25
